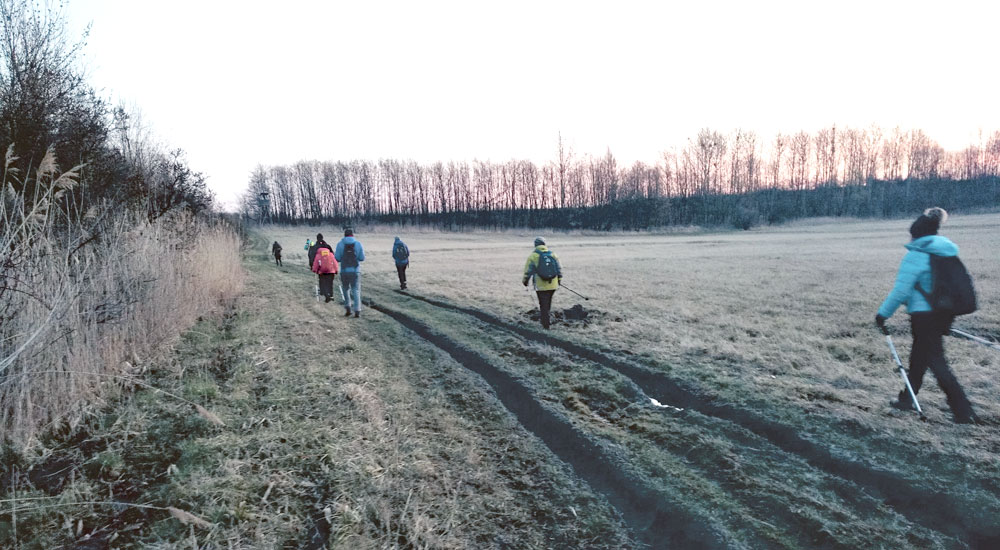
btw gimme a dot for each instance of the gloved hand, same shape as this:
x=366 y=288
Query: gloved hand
x=524 y=281
x=559 y=281
x=880 y=323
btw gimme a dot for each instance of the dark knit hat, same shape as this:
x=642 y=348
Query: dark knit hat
x=539 y=241
x=319 y=236
x=348 y=232
x=928 y=223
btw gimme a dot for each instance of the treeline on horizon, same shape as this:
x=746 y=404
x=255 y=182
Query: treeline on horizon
x=716 y=179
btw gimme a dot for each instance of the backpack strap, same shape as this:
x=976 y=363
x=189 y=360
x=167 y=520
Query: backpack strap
x=926 y=294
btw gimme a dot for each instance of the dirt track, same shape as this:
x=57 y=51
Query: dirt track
x=885 y=496
x=927 y=506
x=429 y=424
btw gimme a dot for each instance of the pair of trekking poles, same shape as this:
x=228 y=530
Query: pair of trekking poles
x=902 y=370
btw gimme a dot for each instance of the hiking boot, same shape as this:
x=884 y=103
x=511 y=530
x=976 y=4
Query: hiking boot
x=328 y=298
x=347 y=313
x=902 y=404
x=970 y=419
x=357 y=314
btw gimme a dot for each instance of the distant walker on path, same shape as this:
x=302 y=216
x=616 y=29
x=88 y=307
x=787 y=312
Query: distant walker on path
x=401 y=253
x=543 y=267
x=276 y=252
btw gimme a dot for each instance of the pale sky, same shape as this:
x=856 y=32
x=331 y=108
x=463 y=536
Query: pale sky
x=237 y=84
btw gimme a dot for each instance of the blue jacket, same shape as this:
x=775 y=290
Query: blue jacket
x=339 y=254
x=916 y=267
x=401 y=259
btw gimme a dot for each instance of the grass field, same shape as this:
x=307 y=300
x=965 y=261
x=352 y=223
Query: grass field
x=446 y=418
x=774 y=323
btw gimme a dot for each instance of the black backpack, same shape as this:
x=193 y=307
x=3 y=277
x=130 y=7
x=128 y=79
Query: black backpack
x=400 y=252
x=548 y=266
x=350 y=258
x=951 y=287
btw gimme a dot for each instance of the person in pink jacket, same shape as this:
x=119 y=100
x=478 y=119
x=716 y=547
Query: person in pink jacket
x=325 y=265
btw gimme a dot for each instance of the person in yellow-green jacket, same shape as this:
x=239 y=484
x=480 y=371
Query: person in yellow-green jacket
x=543 y=267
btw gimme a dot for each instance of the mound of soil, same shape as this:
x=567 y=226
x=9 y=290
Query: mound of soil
x=574 y=316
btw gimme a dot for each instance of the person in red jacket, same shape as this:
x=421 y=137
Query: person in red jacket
x=325 y=265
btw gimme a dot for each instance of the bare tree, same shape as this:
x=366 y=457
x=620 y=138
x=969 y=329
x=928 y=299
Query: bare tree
x=709 y=151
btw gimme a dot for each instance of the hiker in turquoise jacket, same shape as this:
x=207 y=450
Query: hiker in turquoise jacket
x=928 y=327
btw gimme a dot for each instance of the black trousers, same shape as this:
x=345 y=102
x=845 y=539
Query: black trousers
x=401 y=271
x=277 y=258
x=544 y=305
x=928 y=353
x=326 y=284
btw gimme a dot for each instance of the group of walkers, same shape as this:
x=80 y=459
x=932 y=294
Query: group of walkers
x=326 y=261
x=542 y=269
x=345 y=258
x=929 y=324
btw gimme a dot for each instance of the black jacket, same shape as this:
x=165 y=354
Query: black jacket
x=314 y=248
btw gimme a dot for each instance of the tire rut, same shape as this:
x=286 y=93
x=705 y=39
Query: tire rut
x=655 y=520
x=933 y=509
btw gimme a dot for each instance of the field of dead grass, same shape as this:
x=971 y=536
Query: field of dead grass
x=776 y=322
x=331 y=433
x=784 y=312
x=445 y=418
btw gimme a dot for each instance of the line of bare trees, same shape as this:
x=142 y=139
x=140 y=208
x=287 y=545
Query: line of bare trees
x=710 y=164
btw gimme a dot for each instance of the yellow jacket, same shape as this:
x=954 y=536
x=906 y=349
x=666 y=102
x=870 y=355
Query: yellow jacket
x=532 y=264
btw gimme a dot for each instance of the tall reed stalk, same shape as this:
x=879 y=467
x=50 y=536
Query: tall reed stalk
x=84 y=292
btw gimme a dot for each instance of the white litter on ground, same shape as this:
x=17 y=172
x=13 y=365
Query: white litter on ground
x=662 y=406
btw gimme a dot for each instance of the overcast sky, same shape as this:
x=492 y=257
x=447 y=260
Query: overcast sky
x=238 y=84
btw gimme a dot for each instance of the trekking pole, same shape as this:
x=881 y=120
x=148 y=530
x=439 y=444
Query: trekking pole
x=975 y=338
x=573 y=291
x=902 y=372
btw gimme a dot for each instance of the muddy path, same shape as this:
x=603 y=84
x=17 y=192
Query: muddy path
x=657 y=521
x=958 y=517
x=699 y=472
x=413 y=401
x=330 y=433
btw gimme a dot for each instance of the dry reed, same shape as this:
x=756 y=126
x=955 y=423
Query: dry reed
x=82 y=292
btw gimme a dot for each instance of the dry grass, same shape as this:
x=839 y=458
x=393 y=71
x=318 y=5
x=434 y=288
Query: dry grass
x=783 y=312
x=343 y=433
x=87 y=297
x=778 y=321
x=394 y=445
